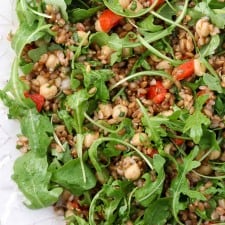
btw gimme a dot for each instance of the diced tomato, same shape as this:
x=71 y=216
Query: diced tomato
x=108 y=20
x=157 y=92
x=184 y=70
x=178 y=141
x=38 y=99
x=158 y=4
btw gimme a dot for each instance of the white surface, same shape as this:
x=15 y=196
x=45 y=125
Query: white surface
x=12 y=210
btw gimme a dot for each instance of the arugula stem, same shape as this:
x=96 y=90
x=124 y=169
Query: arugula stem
x=144 y=73
x=104 y=139
x=209 y=177
x=97 y=124
x=156 y=52
x=79 y=144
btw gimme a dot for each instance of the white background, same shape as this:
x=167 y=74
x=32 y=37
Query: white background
x=12 y=210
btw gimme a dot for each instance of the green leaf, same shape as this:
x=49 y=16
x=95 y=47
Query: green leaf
x=99 y=38
x=78 y=14
x=33 y=179
x=158 y=212
x=60 y=4
x=213 y=82
x=180 y=184
x=148 y=24
x=67 y=119
x=194 y=122
x=208 y=140
x=151 y=190
x=210 y=48
x=37 y=128
x=27 y=34
x=78 y=102
x=217 y=18
x=69 y=177
x=219 y=105
x=35 y=54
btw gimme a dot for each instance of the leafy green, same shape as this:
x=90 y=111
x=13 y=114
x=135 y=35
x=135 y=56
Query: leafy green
x=37 y=128
x=32 y=176
x=35 y=54
x=148 y=24
x=213 y=82
x=210 y=48
x=151 y=190
x=78 y=14
x=180 y=184
x=78 y=102
x=158 y=212
x=68 y=176
x=60 y=4
x=217 y=18
x=219 y=104
x=194 y=122
x=67 y=119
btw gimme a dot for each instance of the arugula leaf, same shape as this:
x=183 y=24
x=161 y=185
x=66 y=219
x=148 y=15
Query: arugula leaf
x=37 y=128
x=219 y=105
x=33 y=178
x=194 y=122
x=68 y=176
x=108 y=200
x=35 y=54
x=148 y=24
x=208 y=140
x=217 y=18
x=99 y=38
x=67 y=119
x=151 y=190
x=27 y=34
x=78 y=14
x=180 y=184
x=78 y=102
x=61 y=4
x=158 y=212
x=210 y=48
x=213 y=82
x=97 y=78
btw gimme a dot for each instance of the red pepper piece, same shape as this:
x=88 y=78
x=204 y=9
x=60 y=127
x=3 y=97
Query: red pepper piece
x=38 y=99
x=184 y=70
x=108 y=20
x=158 y=4
x=157 y=92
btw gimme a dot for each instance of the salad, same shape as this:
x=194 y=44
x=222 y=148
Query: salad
x=121 y=105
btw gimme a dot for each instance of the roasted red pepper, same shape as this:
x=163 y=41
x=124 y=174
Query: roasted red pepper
x=38 y=99
x=184 y=70
x=108 y=20
x=157 y=92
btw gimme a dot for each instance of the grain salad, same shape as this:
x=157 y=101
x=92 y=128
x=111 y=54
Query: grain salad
x=121 y=105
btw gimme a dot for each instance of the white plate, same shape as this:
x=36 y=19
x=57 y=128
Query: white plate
x=12 y=210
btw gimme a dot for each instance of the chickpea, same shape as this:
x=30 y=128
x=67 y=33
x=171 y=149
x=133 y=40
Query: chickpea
x=48 y=91
x=124 y=3
x=203 y=27
x=199 y=67
x=119 y=112
x=205 y=169
x=41 y=80
x=98 y=26
x=90 y=138
x=106 y=52
x=105 y=110
x=83 y=37
x=139 y=139
x=163 y=65
x=133 y=172
x=52 y=62
x=214 y=155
